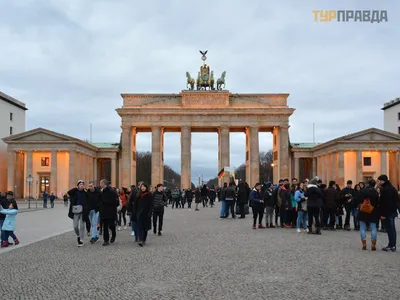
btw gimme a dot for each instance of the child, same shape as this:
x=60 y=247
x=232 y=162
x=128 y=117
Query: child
x=9 y=225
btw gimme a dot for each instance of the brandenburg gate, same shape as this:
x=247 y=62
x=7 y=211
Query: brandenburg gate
x=204 y=109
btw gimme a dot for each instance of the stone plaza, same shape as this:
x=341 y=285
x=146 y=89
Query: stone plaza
x=199 y=256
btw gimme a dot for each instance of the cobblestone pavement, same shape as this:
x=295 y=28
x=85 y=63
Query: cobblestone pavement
x=201 y=256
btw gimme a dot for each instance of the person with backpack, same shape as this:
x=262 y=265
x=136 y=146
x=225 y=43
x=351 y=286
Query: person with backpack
x=368 y=214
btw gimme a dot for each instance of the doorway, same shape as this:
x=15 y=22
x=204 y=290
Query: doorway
x=44 y=184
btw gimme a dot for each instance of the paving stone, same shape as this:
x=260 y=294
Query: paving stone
x=201 y=256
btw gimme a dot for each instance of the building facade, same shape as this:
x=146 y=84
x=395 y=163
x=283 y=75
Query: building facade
x=391 y=116
x=12 y=121
x=357 y=157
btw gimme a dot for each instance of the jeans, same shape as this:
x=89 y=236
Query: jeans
x=302 y=219
x=52 y=204
x=122 y=215
x=107 y=225
x=7 y=234
x=94 y=219
x=2 y=231
x=230 y=204
x=142 y=234
x=348 y=214
x=288 y=217
x=363 y=229
x=44 y=203
x=158 y=214
x=269 y=211
x=313 y=212
x=354 y=213
x=189 y=204
x=391 y=231
x=79 y=225
x=223 y=208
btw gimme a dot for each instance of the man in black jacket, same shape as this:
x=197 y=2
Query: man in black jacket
x=329 y=206
x=388 y=210
x=277 y=203
x=347 y=196
x=94 y=197
x=314 y=201
x=269 y=203
x=108 y=210
x=159 y=201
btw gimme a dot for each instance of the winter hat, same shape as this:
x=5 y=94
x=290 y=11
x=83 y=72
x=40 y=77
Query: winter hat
x=79 y=182
x=10 y=193
x=383 y=178
x=314 y=180
x=332 y=183
x=267 y=184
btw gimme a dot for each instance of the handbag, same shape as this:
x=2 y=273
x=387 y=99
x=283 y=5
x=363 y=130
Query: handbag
x=77 y=209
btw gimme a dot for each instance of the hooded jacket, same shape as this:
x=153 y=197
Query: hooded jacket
x=314 y=196
x=388 y=200
x=10 y=220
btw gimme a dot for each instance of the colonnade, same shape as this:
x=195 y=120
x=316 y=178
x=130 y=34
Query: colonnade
x=128 y=154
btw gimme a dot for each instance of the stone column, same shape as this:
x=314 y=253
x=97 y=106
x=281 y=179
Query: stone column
x=297 y=167
x=398 y=168
x=155 y=155
x=276 y=156
x=220 y=183
x=284 y=151
x=224 y=151
x=384 y=163
x=133 y=155
x=186 y=157
x=95 y=171
x=88 y=169
x=248 y=176
x=340 y=170
x=11 y=170
x=126 y=157
x=161 y=156
x=314 y=167
x=113 y=171
x=359 y=166
x=254 y=156
x=335 y=166
x=72 y=176
x=90 y=162
x=53 y=174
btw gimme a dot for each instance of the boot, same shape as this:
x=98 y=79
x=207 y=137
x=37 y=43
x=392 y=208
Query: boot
x=364 y=244
x=318 y=230
x=373 y=246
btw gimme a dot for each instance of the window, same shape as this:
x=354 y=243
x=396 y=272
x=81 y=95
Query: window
x=398 y=116
x=398 y=129
x=367 y=161
x=45 y=161
x=11 y=116
x=11 y=130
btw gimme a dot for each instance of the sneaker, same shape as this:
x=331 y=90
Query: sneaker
x=133 y=233
x=140 y=243
x=386 y=249
x=125 y=227
x=4 y=245
x=80 y=243
x=92 y=241
x=16 y=242
x=119 y=228
x=261 y=226
x=298 y=230
x=305 y=229
x=106 y=243
x=159 y=233
x=393 y=249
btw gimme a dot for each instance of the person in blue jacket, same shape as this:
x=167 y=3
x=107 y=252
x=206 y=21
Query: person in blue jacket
x=9 y=225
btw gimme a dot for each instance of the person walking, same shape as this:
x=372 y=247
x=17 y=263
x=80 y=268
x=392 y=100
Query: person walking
x=367 y=213
x=388 y=210
x=78 y=210
x=143 y=210
x=213 y=195
x=131 y=210
x=108 y=211
x=52 y=199
x=94 y=198
x=159 y=202
x=124 y=207
x=257 y=205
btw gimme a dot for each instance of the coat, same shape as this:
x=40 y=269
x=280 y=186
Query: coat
x=108 y=204
x=10 y=220
x=73 y=195
x=269 y=200
x=388 y=200
x=371 y=194
x=255 y=200
x=330 y=199
x=143 y=210
x=286 y=198
x=314 y=196
x=243 y=194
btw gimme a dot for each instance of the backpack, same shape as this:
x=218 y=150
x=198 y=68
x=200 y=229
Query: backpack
x=366 y=206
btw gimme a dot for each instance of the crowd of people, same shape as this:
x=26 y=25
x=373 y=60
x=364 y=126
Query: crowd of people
x=308 y=206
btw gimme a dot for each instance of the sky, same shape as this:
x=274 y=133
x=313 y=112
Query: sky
x=69 y=61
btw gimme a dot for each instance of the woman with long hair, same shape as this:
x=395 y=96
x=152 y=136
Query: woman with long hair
x=143 y=209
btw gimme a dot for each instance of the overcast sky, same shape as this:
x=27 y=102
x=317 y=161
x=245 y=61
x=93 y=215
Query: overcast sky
x=69 y=61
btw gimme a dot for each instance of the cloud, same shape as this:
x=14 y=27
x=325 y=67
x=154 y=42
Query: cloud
x=69 y=61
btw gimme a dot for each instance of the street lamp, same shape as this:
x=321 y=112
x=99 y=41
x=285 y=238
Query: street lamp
x=29 y=180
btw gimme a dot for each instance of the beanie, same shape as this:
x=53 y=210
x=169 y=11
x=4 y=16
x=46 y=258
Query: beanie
x=79 y=182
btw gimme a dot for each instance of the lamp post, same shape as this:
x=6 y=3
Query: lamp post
x=37 y=191
x=29 y=180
